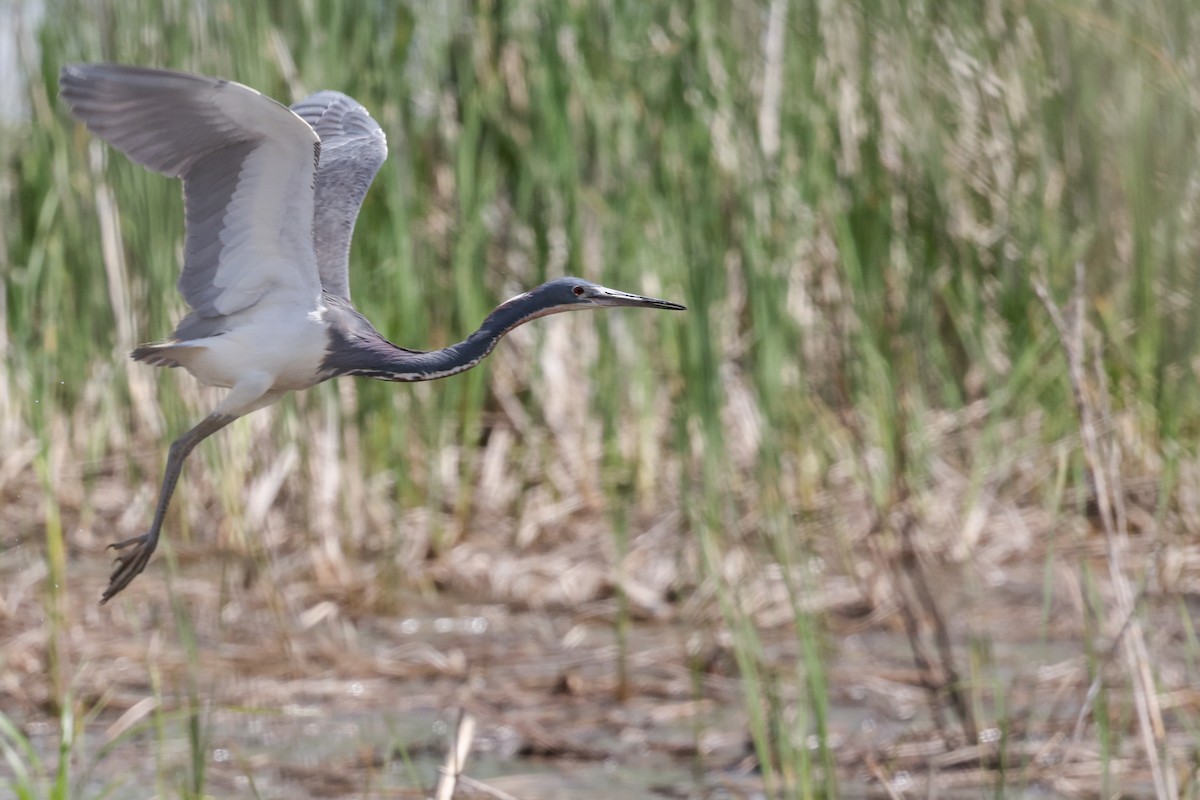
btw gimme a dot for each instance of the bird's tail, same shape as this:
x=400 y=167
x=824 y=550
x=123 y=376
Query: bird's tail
x=158 y=354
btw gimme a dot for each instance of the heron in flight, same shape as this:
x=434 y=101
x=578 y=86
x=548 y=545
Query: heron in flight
x=271 y=195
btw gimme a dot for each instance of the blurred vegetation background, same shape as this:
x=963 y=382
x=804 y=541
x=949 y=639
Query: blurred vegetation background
x=855 y=201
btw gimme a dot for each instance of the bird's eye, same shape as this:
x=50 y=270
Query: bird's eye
x=578 y=291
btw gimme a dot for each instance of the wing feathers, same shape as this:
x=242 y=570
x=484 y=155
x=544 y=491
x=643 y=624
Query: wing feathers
x=353 y=148
x=247 y=163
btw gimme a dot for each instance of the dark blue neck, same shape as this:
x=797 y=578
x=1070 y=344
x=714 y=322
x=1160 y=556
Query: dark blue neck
x=356 y=348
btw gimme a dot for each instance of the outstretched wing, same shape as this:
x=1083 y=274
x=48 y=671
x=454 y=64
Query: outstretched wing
x=247 y=164
x=353 y=148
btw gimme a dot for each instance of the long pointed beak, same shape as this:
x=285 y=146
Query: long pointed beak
x=604 y=296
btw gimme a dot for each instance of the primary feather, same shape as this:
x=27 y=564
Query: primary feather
x=353 y=148
x=247 y=163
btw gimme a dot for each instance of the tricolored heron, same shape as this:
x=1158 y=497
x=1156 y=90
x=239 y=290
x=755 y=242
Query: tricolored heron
x=271 y=195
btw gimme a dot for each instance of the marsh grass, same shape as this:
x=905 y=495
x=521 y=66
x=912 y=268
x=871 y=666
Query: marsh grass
x=30 y=777
x=864 y=422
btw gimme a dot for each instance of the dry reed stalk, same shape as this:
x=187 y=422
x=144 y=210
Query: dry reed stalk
x=456 y=757
x=140 y=380
x=772 y=86
x=484 y=789
x=877 y=771
x=1102 y=459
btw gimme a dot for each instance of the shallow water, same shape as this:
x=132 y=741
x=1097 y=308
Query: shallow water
x=341 y=737
x=302 y=697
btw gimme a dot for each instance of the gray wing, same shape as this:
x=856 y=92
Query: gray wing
x=353 y=148
x=247 y=164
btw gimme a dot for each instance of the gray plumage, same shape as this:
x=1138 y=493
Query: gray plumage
x=353 y=148
x=271 y=196
x=240 y=154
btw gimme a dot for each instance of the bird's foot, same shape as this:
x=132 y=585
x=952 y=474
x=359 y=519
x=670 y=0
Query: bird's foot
x=129 y=565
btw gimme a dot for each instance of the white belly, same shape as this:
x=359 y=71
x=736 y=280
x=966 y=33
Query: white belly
x=279 y=343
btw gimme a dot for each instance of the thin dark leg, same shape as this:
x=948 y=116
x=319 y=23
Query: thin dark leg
x=130 y=564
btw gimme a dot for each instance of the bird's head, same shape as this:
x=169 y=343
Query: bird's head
x=570 y=294
x=558 y=295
